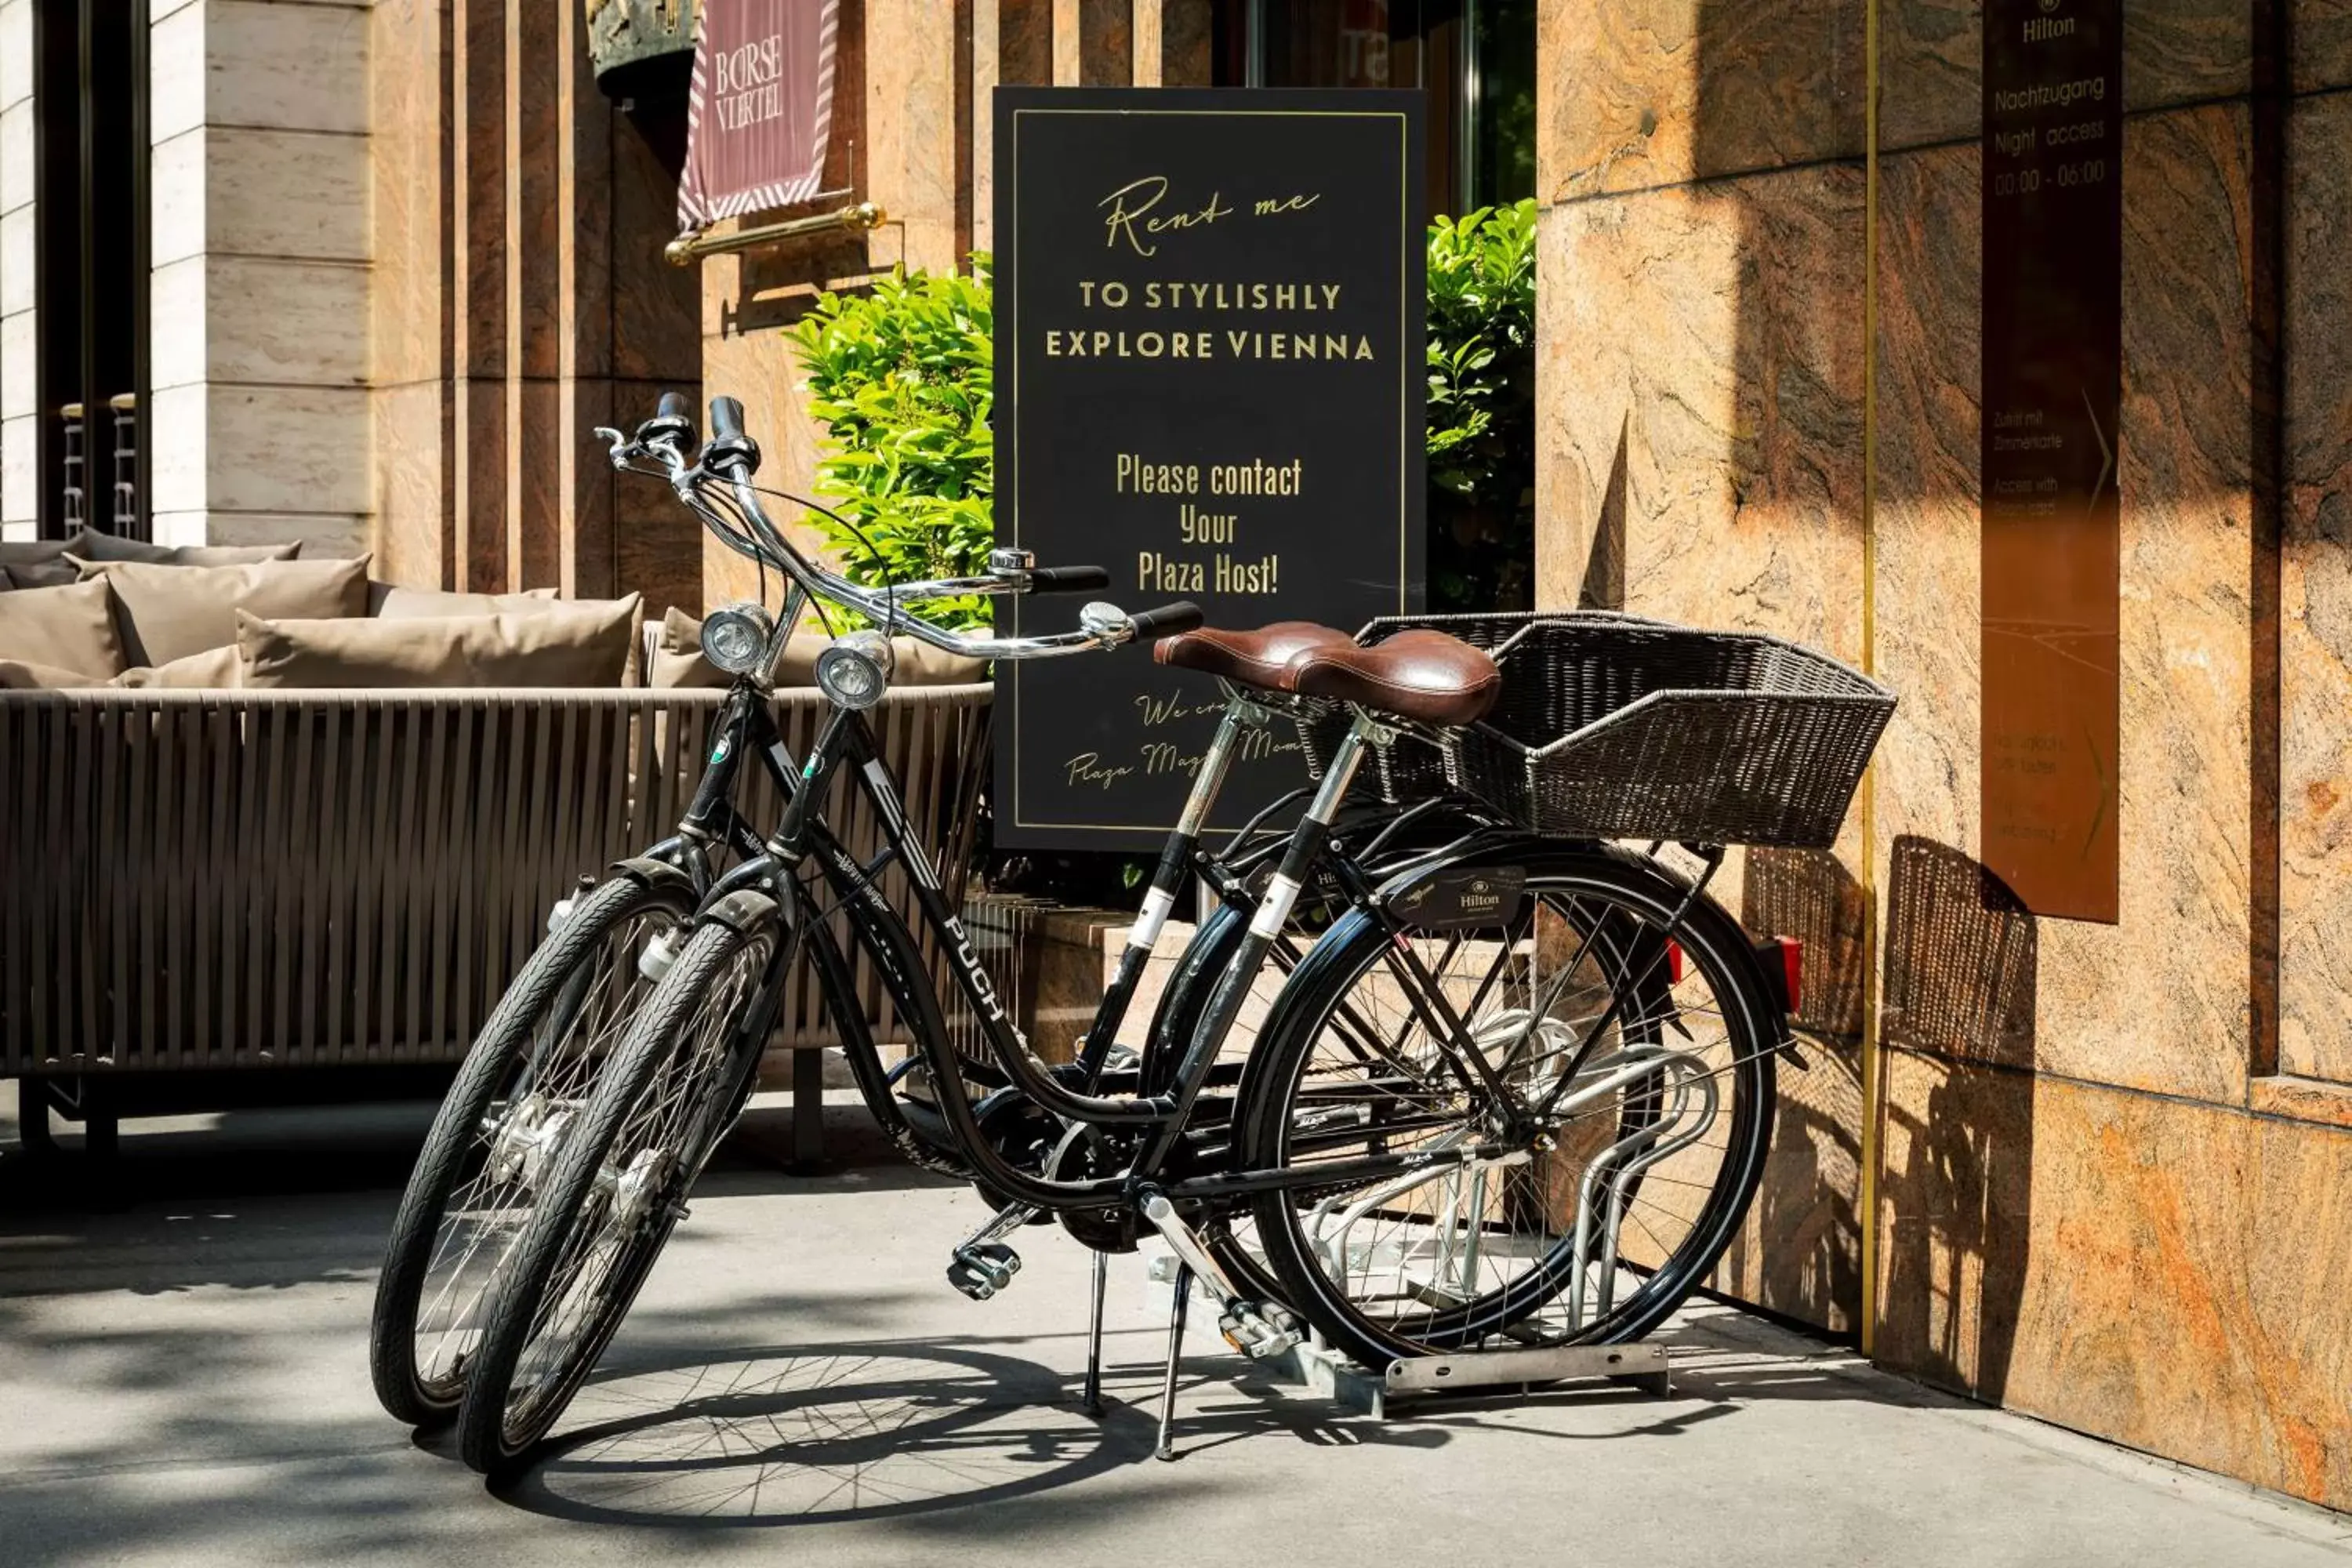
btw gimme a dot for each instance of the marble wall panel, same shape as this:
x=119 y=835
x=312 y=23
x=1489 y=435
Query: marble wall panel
x=283 y=322
x=2161 y=1273
x=176 y=426
x=178 y=76
x=175 y=198
x=18 y=289
x=284 y=193
x=177 y=294
x=17 y=352
x=291 y=449
x=1700 y=435
x=1640 y=93
x=1700 y=456
x=1093 y=42
x=1932 y=53
x=656 y=308
x=414 y=533
x=2316 y=602
x=2159 y=1001
x=2322 y=34
x=16 y=155
x=408 y=193
x=284 y=66
x=16 y=51
x=324 y=535
x=19 y=484
x=1174 y=43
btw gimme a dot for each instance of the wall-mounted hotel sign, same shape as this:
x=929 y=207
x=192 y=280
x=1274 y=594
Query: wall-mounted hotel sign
x=2052 y=344
x=1210 y=380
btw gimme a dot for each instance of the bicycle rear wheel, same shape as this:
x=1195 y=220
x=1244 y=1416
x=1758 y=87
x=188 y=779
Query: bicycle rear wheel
x=531 y=1069
x=1606 y=1213
x=619 y=1190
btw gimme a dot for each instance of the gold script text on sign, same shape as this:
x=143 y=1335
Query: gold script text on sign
x=1134 y=211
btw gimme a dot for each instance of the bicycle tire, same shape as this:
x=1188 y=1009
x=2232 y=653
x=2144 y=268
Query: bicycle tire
x=1448 y=1319
x=673 y=1032
x=410 y=1383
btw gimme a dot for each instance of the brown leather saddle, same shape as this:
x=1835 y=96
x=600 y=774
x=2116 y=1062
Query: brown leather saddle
x=1420 y=675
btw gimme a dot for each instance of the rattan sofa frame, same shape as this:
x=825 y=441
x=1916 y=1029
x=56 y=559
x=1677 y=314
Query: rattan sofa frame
x=247 y=882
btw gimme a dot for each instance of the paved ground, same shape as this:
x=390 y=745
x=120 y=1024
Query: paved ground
x=183 y=1381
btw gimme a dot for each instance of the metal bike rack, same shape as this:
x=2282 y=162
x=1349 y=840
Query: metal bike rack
x=1319 y=1369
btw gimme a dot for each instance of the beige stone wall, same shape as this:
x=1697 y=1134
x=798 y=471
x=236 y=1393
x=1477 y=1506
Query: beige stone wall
x=258 y=420
x=2099 y=1199
x=19 y=371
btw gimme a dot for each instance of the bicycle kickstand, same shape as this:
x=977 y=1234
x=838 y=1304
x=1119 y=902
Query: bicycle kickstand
x=1093 y=1402
x=1166 y=1449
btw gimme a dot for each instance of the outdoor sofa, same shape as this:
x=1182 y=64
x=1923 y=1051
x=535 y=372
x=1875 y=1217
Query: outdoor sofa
x=204 y=883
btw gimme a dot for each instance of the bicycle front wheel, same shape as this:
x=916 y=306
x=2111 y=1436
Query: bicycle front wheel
x=531 y=1070
x=1632 y=1038
x=619 y=1190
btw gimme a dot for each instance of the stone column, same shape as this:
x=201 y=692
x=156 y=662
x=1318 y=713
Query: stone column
x=19 y=367
x=412 y=294
x=258 y=424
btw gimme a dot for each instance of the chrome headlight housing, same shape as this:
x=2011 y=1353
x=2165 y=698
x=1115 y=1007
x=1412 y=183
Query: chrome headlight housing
x=854 y=671
x=736 y=638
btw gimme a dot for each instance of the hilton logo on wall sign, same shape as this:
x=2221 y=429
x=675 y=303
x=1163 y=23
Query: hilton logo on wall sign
x=1209 y=381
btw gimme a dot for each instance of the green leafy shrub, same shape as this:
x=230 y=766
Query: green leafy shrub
x=1482 y=400
x=903 y=377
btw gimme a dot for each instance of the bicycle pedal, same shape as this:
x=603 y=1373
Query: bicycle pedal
x=979 y=1272
x=1259 y=1330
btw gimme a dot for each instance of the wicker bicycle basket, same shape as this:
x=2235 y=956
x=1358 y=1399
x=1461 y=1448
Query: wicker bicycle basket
x=1411 y=769
x=1630 y=730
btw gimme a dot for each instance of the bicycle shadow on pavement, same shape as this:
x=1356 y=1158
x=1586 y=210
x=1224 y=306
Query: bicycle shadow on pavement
x=840 y=1433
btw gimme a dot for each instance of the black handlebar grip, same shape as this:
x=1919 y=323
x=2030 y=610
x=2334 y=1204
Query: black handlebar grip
x=673 y=405
x=1068 y=579
x=1166 y=620
x=726 y=419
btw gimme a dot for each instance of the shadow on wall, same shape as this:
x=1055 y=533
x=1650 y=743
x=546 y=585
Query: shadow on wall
x=1800 y=1251
x=1959 y=1003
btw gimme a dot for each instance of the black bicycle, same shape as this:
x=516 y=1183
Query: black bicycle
x=538 y=1059
x=1518 y=1090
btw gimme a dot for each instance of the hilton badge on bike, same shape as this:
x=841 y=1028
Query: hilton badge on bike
x=1209 y=377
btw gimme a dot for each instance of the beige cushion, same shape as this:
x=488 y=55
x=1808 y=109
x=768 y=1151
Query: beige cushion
x=23 y=675
x=214 y=669
x=71 y=628
x=391 y=601
x=679 y=662
x=555 y=645
x=91 y=545
x=171 y=612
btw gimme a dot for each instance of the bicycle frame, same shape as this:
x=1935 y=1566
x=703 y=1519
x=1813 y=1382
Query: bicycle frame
x=847 y=740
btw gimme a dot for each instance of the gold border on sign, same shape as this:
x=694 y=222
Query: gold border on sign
x=1404 y=268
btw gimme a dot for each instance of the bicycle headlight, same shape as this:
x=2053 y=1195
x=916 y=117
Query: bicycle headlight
x=736 y=637
x=855 y=671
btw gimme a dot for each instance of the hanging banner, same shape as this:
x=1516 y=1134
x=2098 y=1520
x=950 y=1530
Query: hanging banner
x=2052 y=367
x=759 y=108
x=1210 y=380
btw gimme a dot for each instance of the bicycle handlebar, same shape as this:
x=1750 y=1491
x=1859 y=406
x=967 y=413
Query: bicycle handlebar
x=1167 y=621
x=732 y=456
x=1067 y=579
